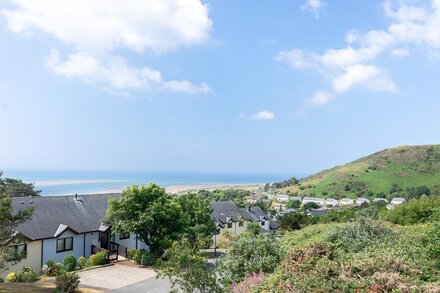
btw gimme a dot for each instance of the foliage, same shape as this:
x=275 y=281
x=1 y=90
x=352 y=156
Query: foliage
x=246 y=255
x=148 y=212
x=293 y=204
x=293 y=221
x=100 y=259
x=67 y=282
x=310 y=205
x=356 y=235
x=187 y=269
x=8 y=223
x=82 y=262
x=16 y=187
x=11 y=277
x=142 y=257
x=414 y=211
x=51 y=268
x=26 y=275
x=253 y=228
x=286 y=183
x=69 y=263
x=249 y=284
x=226 y=239
x=196 y=215
x=305 y=237
x=148 y=259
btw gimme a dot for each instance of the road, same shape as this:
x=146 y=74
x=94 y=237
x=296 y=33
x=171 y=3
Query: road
x=151 y=285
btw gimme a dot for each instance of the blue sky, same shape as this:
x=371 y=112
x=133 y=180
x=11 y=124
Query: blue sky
x=255 y=86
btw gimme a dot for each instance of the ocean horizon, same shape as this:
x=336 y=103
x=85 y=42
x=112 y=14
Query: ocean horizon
x=65 y=182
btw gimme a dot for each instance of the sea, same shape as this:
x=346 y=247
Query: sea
x=65 y=182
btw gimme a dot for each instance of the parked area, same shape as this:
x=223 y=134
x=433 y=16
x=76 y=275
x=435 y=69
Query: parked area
x=117 y=276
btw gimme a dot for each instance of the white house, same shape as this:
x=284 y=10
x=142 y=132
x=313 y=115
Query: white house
x=281 y=198
x=331 y=202
x=397 y=200
x=346 y=202
x=317 y=200
x=380 y=199
x=362 y=200
x=62 y=225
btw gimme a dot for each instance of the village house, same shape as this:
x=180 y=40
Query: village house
x=331 y=202
x=397 y=200
x=229 y=218
x=317 y=200
x=62 y=225
x=281 y=198
x=346 y=202
x=362 y=200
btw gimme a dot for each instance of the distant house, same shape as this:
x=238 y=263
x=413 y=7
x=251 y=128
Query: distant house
x=317 y=200
x=346 y=202
x=362 y=200
x=278 y=206
x=228 y=217
x=62 y=225
x=397 y=200
x=331 y=202
x=296 y=198
x=380 y=199
x=281 y=198
x=285 y=212
x=321 y=211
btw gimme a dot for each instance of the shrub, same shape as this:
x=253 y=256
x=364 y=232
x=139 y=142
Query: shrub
x=69 y=262
x=11 y=278
x=413 y=212
x=100 y=259
x=51 y=268
x=148 y=259
x=355 y=236
x=91 y=261
x=26 y=275
x=82 y=262
x=67 y=282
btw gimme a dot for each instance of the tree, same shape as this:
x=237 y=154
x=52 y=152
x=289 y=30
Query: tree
x=16 y=187
x=148 y=212
x=267 y=187
x=187 y=268
x=198 y=224
x=310 y=205
x=293 y=221
x=261 y=253
x=8 y=224
x=294 y=204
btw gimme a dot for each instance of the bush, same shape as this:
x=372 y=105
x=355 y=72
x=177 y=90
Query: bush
x=91 y=261
x=100 y=258
x=26 y=275
x=355 y=236
x=69 y=262
x=11 y=278
x=413 y=212
x=51 y=268
x=67 y=282
x=148 y=259
x=82 y=262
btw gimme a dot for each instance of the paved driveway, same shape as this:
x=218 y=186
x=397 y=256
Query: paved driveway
x=117 y=276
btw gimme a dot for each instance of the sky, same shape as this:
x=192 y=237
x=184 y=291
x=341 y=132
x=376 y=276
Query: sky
x=236 y=86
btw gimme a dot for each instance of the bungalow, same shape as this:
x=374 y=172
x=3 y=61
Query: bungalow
x=281 y=198
x=317 y=200
x=331 y=202
x=229 y=218
x=362 y=200
x=62 y=225
x=346 y=202
x=397 y=200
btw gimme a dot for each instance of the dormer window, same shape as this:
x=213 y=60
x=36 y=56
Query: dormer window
x=263 y=223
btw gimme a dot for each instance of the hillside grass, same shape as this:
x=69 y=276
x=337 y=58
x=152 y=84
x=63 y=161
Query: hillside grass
x=406 y=166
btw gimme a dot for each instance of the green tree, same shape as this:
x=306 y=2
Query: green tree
x=293 y=204
x=198 y=224
x=187 y=268
x=8 y=224
x=310 y=205
x=247 y=255
x=293 y=221
x=16 y=187
x=267 y=187
x=150 y=213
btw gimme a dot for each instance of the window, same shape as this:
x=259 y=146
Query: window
x=218 y=231
x=263 y=222
x=64 y=244
x=229 y=225
x=124 y=236
x=240 y=224
x=17 y=252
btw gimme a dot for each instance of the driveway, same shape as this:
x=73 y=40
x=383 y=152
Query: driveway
x=116 y=276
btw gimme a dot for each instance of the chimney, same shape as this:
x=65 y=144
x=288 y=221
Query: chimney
x=248 y=208
x=76 y=196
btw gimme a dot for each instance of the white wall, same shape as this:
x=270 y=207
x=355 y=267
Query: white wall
x=32 y=260
x=91 y=239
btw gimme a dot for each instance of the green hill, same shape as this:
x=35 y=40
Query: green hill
x=392 y=172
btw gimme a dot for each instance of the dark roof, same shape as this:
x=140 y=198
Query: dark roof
x=224 y=211
x=82 y=215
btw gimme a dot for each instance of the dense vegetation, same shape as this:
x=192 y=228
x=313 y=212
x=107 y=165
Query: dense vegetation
x=407 y=171
x=16 y=187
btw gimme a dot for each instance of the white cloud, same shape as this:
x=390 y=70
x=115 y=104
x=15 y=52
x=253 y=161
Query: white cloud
x=314 y=6
x=353 y=65
x=262 y=115
x=115 y=75
x=96 y=29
